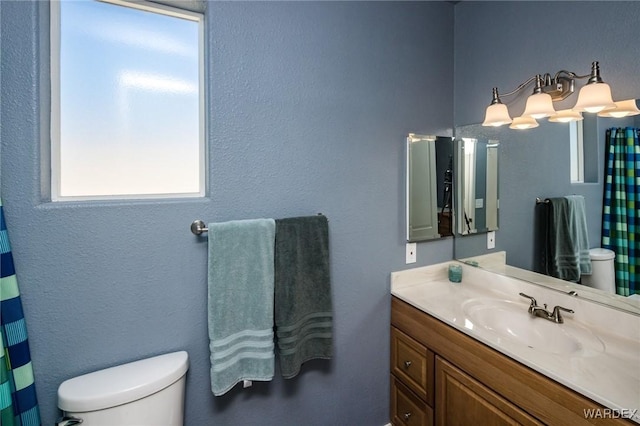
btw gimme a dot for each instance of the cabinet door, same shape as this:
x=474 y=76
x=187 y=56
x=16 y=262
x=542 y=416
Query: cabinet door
x=461 y=400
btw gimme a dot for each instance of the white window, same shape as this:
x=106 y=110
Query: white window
x=127 y=101
x=576 y=145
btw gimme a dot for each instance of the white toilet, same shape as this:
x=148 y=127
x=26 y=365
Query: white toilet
x=603 y=276
x=149 y=392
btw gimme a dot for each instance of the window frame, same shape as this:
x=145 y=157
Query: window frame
x=55 y=103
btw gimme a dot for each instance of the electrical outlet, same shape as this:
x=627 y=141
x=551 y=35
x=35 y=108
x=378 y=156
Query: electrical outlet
x=491 y=239
x=411 y=252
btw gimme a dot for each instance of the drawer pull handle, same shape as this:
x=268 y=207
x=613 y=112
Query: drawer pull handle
x=407 y=364
x=407 y=416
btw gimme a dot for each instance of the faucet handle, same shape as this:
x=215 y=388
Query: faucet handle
x=534 y=303
x=556 y=313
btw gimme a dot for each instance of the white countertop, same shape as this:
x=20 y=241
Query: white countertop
x=606 y=373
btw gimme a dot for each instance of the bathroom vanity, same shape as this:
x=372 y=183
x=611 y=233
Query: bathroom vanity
x=470 y=353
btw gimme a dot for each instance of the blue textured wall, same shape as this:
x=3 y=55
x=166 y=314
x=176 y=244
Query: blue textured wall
x=309 y=104
x=504 y=43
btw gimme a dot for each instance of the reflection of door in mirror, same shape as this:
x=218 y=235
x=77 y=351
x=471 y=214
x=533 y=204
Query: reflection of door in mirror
x=491 y=198
x=444 y=177
x=477 y=202
x=429 y=184
x=468 y=169
x=422 y=217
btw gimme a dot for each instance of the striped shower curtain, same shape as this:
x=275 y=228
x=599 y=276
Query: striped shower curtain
x=18 y=403
x=620 y=218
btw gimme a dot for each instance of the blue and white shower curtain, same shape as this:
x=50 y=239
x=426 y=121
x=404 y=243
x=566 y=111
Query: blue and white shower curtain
x=18 y=402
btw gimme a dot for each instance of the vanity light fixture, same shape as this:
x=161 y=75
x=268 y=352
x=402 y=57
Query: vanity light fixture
x=595 y=97
x=622 y=109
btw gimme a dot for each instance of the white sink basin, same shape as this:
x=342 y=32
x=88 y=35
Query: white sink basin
x=511 y=321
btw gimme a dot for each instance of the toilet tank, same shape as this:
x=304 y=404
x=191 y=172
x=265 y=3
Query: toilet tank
x=149 y=392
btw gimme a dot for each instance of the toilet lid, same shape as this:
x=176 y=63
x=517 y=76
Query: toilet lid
x=121 y=384
x=601 y=254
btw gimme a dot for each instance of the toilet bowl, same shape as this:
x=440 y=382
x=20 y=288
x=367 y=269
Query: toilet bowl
x=603 y=272
x=149 y=392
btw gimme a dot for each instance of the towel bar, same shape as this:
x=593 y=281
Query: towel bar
x=198 y=227
x=540 y=201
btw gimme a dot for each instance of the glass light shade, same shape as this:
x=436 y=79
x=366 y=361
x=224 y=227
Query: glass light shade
x=539 y=105
x=522 y=123
x=566 y=116
x=594 y=97
x=622 y=109
x=496 y=115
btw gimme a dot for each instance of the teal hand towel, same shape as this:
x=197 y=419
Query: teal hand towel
x=579 y=232
x=303 y=308
x=240 y=302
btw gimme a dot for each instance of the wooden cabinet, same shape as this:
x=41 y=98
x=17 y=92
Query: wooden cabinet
x=460 y=381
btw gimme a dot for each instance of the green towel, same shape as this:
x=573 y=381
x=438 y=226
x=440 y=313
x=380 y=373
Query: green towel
x=567 y=254
x=303 y=311
x=241 y=285
x=579 y=232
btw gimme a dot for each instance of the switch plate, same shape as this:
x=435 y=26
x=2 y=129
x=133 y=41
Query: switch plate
x=411 y=252
x=491 y=239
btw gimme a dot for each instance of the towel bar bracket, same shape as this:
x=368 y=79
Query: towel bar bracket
x=198 y=227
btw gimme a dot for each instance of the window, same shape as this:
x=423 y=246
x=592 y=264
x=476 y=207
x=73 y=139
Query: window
x=127 y=101
x=576 y=151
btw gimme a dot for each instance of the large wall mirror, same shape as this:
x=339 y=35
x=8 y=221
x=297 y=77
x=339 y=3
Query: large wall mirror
x=537 y=164
x=429 y=187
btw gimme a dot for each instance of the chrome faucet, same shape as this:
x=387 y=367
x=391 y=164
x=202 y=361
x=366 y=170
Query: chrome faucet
x=538 y=311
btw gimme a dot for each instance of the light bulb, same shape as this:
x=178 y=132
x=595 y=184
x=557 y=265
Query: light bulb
x=496 y=115
x=623 y=109
x=565 y=116
x=539 y=105
x=594 y=97
x=522 y=123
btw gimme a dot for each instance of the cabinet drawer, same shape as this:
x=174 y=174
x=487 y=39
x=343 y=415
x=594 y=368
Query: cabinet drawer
x=406 y=408
x=413 y=364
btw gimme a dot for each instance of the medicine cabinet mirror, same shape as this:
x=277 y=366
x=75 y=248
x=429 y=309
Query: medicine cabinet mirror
x=429 y=187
